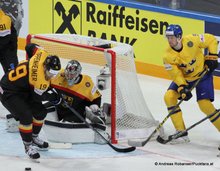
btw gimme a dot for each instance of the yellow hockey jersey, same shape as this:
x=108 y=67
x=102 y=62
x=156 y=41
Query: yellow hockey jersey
x=187 y=64
x=84 y=91
x=5 y=24
x=36 y=72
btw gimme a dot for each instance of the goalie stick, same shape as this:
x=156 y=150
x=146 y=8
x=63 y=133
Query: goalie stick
x=179 y=134
x=142 y=143
x=122 y=150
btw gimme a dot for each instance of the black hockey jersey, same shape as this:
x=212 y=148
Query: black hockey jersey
x=27 y=78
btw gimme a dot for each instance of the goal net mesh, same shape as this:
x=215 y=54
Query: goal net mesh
x=130 y=116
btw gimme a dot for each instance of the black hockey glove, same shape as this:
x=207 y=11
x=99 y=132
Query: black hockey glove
x=185 y=92
x=53 y=97
x=211 y=61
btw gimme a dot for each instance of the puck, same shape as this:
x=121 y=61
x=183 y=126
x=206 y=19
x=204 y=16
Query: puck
x=27 y=169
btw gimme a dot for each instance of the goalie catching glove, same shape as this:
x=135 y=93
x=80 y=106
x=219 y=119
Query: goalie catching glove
x=95 y=114
x=211 y=61
x=185 y=92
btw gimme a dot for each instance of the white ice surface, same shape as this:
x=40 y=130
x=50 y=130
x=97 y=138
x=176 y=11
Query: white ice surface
x=90 y=157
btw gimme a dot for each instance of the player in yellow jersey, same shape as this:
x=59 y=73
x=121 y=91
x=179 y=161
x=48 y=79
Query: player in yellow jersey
x=79 y=91
x=8 y=43
x=184 y=61
x=22 y=91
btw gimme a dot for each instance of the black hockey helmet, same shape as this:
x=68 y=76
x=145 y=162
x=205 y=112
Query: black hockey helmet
x=52 y=64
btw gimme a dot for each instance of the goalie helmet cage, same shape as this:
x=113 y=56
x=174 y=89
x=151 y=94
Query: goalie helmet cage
x=130 y=116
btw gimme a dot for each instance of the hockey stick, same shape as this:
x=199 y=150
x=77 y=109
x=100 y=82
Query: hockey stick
x=179 y=134
x=122 y=150
x=142 y=143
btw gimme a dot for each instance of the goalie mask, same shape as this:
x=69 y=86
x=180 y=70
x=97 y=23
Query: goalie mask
x=72 y=72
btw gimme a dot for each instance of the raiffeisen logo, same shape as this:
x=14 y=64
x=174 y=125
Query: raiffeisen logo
x=116 y=16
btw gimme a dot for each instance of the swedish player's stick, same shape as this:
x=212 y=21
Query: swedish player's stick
x=142 y=143
x=122 y=150
x=179 y=134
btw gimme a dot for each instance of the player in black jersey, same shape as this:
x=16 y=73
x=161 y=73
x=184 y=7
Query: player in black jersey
x=22 y=91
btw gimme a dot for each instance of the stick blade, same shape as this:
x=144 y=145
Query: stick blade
x=129 y=149
x=122 y=150
x=125 y=150
x=163 y=141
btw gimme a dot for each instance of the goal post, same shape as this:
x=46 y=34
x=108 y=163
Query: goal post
x=130 y=116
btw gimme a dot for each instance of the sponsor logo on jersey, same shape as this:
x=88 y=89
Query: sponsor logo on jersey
x=190 y=44
x=88 y=84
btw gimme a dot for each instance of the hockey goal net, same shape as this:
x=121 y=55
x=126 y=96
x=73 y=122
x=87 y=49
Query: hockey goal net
x=130 y=116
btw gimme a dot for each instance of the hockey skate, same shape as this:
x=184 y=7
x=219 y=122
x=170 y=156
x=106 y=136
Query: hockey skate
x=40 y=144
x=181 y=140
x=31 y=151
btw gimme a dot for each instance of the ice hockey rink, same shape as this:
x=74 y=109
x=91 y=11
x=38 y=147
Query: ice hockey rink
x=199 y=154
